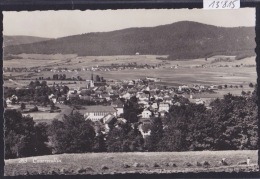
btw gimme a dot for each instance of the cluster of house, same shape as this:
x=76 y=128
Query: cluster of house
x=153 y=99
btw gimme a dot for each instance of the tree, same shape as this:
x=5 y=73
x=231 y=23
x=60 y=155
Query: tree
x=99 y=143
x=43 y=83
x=13 y=101
x=251 y=85
x=97 y=78
x=23 y=106
x=243 y=93
x=235 y=122
x=152 y=141
x=41 y=132
x=20 y=135
x=32 y=84
x=134 y=140
x=52 y=106
x=92 y=76
x=73 y=134
x=124 y=139
x=65 y=89
x=115 y=138
x=171 y=140
x=37 y=83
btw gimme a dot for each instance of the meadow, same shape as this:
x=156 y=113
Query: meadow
x=187 y=72
x=137 y=162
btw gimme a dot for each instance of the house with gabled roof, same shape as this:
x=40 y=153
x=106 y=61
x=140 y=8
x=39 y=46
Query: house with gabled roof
x=126 y=95
x=164 y=107
x=146 y=113
x=119 y=106
x=107 y=119
x=106 y=96
x=61 y=99
x=98 y=112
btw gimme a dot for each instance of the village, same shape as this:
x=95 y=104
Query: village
x=105 y=102
x=163 y=94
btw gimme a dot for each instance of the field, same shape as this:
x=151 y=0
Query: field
x=152 y=162
x=187 y=71
x=185 y=74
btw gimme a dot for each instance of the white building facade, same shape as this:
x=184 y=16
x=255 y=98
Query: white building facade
x=96 y=113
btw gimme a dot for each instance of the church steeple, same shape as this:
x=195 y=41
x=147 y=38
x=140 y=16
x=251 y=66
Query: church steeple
x=92 y=80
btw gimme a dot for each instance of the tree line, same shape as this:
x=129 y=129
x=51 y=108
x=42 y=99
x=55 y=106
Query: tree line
x=231 y=124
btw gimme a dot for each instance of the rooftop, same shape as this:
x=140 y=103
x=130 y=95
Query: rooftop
x=99 y=108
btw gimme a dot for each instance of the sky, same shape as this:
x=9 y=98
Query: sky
x=54 y=24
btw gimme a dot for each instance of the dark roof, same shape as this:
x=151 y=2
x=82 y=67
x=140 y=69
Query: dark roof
x=62 y=98
x=73 y=96
x=99 y=108
x=108 y=118
x=99 y=83
x=87 y=98
x=146 y=120
x=118 y=103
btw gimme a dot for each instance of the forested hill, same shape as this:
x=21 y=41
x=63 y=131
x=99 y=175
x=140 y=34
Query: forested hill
x=17 y=40
x=180 y=40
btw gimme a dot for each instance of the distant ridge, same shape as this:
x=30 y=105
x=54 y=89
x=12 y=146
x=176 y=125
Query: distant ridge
x=180 y=40
x=20 y=39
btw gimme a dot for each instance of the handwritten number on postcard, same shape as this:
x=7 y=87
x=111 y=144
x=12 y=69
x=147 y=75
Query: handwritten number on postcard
x=221 y=4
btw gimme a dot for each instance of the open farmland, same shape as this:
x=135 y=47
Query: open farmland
x=171 y=73
x=152 y=162
x=43 y=116
x=185 y=74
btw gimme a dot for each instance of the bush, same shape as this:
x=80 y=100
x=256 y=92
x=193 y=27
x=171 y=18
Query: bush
x=174 y=165
x=199 y=164
x=81 y=170
x=223 y=163
x=54 y=172
x=23 y=106
x=243 y=93
x=35 y=109
x=242 y=163
x=125 y=165
x=156 y=165
x=188 y=164
x=103 y=167
x=166 y=164
x=64 y=171
x=89 y=169
x=137 y=165
x=206 y=164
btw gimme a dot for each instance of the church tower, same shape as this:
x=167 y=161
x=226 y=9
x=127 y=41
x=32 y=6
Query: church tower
x=92 y=80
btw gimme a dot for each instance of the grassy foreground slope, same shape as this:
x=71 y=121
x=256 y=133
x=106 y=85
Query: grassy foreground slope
x=110 y=163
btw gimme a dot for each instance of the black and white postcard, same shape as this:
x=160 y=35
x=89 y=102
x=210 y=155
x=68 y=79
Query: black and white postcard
x=130 y=91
